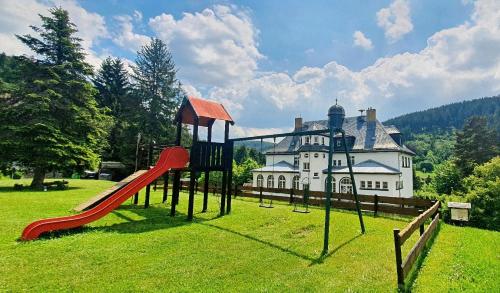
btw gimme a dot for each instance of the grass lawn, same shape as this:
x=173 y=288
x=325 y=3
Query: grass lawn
x=253 y=249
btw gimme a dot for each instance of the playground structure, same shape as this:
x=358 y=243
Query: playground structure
x=204 y=156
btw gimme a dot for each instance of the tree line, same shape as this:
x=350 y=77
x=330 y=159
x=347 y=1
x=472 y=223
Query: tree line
x=59 y=115
x=448 y=118
x=469 y=173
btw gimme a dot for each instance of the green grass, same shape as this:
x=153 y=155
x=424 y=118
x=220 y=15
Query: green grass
x=253 y=249
x=461 y=259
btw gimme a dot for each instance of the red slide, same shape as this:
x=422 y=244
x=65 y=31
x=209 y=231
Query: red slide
x=170 y=158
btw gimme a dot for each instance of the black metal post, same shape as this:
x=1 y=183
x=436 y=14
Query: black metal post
x=328 y=200
x=165 y=187
x=229 y=165
x=354 y=189
x=224 y=173
x=177 y=173
x=146 y=199
x=192 y=178
x=136 y=198
x=207 y=164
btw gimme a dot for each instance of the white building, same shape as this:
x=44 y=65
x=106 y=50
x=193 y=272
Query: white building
x=382 y=165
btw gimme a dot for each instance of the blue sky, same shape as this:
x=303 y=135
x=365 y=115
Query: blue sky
x=270 y=61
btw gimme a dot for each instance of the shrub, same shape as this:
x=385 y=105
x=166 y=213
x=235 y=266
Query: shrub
x=482 y=190
x=447 y=178
x=17 y=175
x=426 y=166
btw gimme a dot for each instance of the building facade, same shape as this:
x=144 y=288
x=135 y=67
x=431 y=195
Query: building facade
x=381 y=163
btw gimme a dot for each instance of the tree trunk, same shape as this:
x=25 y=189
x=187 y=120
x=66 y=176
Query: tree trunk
x=38 y=177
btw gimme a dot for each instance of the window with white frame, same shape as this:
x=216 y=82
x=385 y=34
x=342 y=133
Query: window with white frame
x=260 y=180
x=306 y=166
x=306 y=155
x=370 y=185
x=316 y=155
x=295 y=161
x=339 y=163
x=281 y=182
x=385 y=185
x=399 y=185
x=339 y=143
x=345 y=185
x=308 y=140
x=316 y=140
x=352 y=160
x=316 y=175
x=363 y=184
x=333 y=184
x=296 y=181
x=377 y=184
x=270 y=181
x=323 y=141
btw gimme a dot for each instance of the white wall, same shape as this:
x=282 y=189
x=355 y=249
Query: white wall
x=288 y=178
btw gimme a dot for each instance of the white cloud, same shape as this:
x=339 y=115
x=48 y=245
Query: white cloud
x=457 y=63
x=17 y=16
x=215 y=47
x=126 y=37
x=360 y=40
x=191 y=91
x=395 y=20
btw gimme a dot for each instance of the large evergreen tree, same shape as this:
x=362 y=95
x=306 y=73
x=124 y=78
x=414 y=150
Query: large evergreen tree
x=476 y=144
x=158 y=90
x=112 y=82
x=51 y=120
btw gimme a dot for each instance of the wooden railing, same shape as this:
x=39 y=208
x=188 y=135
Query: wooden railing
x=374 y=203
x=404 y=267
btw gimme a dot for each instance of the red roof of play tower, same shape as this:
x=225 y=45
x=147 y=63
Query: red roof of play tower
x=206 y=111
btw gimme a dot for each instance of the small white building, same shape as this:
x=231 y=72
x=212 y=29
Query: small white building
x=382 y=165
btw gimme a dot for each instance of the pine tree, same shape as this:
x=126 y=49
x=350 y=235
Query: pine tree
x=112 y=82
x=158 y=89
x=52 y=122
x=476 y=144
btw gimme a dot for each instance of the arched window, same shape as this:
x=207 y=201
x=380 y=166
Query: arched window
x=270 y=181
x=260 y=180
x=345 y=185
x=333 y=184
x=296 y=180
x=281 y=182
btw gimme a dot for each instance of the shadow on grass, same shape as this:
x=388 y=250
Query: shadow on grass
x=318 y=260
x=153 y=218
x=10 y=189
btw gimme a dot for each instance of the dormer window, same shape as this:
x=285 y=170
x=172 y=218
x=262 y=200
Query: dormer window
x=308 y=141
x=339 y=143
x=316 y=140
x=323 y=141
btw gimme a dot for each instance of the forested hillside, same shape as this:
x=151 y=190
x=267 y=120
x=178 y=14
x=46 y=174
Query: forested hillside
x=448 y=117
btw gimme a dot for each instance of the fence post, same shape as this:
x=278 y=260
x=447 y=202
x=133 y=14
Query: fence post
x=260 y=195
x=214 y=190
x=376 y=205
x=291 y=195
x=399 y=260
x=422 y=228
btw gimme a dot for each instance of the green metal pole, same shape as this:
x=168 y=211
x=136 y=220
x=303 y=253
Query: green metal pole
x=354 y=189
x=328 y=201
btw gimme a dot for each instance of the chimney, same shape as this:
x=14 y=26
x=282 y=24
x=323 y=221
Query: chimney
x=371 y=114
x=298 y=123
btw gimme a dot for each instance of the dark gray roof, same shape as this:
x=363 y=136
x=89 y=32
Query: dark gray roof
x=281 y=166
x=366 y=167
x=391 y=129
x=368 y=136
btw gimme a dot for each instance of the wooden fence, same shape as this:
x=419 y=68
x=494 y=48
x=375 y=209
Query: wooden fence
x=400 y=237
x=374 y=203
